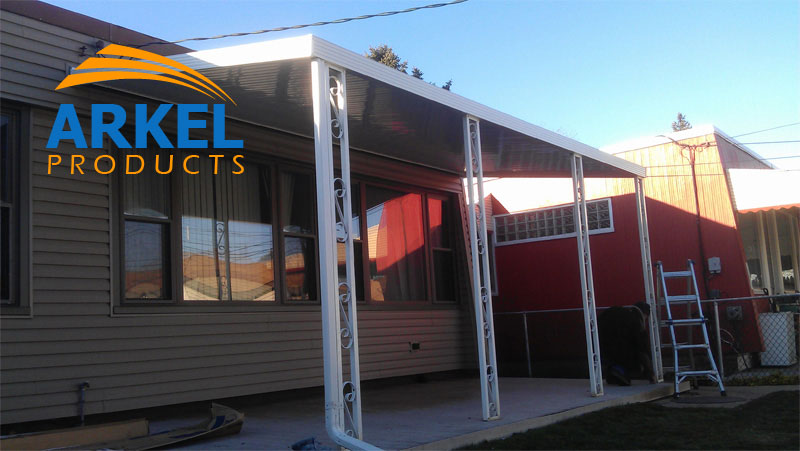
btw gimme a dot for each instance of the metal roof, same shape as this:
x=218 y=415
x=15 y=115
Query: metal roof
x=389 y=113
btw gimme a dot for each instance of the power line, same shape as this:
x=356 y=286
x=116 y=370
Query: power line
x=717 y=162
x=315 y=24
x=766 y=129
x=775 y=142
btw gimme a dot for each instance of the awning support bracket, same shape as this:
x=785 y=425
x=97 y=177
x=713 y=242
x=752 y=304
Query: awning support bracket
x=481 y=275
x=587 y=281
x=647 y=273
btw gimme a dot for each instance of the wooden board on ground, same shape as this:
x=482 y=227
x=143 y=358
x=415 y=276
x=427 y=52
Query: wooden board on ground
x=78 y=436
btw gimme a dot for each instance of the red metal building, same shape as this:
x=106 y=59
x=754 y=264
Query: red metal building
x=692 y=214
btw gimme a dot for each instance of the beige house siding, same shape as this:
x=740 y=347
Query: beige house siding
x=150 y=360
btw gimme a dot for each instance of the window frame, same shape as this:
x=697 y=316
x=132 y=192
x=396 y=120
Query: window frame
x=20 y=224
x=598 y=231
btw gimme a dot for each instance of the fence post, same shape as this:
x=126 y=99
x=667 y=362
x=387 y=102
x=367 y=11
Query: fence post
x=527 y=344
x=720 y=364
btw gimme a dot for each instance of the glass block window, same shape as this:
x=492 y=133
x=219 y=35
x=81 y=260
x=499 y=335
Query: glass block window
x=551 y=222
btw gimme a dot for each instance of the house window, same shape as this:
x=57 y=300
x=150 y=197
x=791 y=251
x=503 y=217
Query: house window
x=203 y=239
x=226 y=234
x=147 y=225
x=14 y=211
x=195 y=238
x=440 y=231
x=551 y=223
x=396 y=245
x=300 y=243
x=9 y=206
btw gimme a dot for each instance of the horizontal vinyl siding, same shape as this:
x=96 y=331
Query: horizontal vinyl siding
x=143 y=361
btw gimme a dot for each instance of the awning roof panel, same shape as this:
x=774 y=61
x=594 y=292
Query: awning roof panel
x=389 y=113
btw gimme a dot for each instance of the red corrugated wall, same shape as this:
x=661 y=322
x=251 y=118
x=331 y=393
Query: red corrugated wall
x=543 y=275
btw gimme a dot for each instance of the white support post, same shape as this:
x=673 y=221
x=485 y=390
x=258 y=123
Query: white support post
x=647 y=273
x=481 y=283
x=587 y=282
x=766 y=278
x=776 y=269
x=342 y=398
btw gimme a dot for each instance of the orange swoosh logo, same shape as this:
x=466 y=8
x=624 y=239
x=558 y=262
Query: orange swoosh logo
x=129 y=71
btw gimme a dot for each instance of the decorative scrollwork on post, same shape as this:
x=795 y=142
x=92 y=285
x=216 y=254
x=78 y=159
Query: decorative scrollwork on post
x=342 y=227
x=350 y=394
x=348 y=330
x=480 y=270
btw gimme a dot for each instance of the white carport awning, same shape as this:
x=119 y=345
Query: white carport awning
x=389 y=113
x=764 y=189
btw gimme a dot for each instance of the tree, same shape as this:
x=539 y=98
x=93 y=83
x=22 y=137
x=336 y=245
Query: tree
x=681 y=123
x=385 y=55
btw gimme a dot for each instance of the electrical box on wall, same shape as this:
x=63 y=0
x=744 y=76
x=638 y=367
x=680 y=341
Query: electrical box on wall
x=714 y=265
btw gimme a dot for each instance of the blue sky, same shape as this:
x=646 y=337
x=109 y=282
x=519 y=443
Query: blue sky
x=597 y=71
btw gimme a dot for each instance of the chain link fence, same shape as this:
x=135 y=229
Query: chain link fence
x=755 y=341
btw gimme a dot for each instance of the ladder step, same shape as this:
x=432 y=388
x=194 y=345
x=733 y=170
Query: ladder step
x=694 y=346
x=682 y=298
x=669 y=345
x=697 y=373
x=673 y=274
x=684 y=322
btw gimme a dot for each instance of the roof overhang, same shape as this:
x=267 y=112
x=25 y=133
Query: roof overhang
x=764 y=189
x=389 y=113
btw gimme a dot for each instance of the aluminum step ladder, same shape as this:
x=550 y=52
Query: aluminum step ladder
x=693 y=298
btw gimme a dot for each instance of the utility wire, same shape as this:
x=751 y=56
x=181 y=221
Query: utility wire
x=775 y=142
x=766 y=129
x=717 y=162
x=315 y=24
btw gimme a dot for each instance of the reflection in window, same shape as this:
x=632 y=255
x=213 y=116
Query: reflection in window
x=298 y=221
x=147 y=193
x=301 y=270
x=395 y=245
x=443 y=259
x=146 y=208
x=146 y=267
x=297 y=196
x=227 y=234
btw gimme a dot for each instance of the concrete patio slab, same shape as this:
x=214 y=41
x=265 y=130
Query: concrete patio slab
x=742 y=395
x=443 y=414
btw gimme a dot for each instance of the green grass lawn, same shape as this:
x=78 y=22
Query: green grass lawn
x=770 y=422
